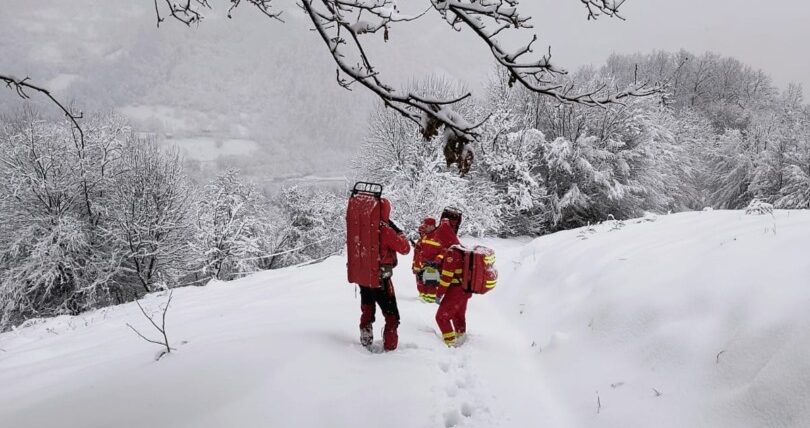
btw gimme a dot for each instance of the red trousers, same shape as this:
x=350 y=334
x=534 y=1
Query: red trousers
x=385 y=297
x=452 y=314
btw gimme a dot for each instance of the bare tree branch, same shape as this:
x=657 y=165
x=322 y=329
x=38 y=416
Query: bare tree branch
x=342 y=23
x=161 y=329
x=22 y=85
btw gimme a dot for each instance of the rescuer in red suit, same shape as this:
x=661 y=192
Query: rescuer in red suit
x=452 y=314
x=392 y=241
x=426 y=261
x=452 y=299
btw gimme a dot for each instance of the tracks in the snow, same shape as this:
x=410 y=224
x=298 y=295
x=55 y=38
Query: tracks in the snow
x=464 y=404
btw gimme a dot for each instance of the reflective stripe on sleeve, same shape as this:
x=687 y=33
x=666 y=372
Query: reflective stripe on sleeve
x=430 y=242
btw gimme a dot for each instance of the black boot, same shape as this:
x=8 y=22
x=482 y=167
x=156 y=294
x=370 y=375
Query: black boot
x=366 y=336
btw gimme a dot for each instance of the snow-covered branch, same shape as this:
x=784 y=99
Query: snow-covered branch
x=343 y=24
x=21 y=86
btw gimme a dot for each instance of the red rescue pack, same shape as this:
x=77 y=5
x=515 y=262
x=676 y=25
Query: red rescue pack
x=363 y=235
x=480 y=275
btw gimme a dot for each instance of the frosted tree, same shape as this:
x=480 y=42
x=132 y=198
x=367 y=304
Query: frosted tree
x=796 y=192
x=413 y=170
x=795 y=189
x=55 y=256
x=582 y=165
x=734 y=163
x=310 y=226
x=151 y=215
x=229 y=224
x=512 y=162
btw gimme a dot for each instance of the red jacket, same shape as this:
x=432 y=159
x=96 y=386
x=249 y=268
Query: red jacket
x=450 y=259
x=445 y=235
x=430 y=250
x=451 y=272
x=391 y=242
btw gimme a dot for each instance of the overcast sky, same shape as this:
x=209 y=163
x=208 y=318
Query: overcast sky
x=112 y=52
x=770 y=35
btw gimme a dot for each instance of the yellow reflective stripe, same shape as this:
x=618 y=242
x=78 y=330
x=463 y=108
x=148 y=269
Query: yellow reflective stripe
x=459 y=270
x=490 y=284
x=450 y=335
x=456 y=281
x=430 y=242
x=444 y=283
x=447 y=273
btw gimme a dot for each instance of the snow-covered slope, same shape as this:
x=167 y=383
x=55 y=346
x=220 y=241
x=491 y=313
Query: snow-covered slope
x=694 y=319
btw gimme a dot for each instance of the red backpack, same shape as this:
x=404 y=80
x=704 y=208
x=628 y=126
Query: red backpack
x=363 y=235
x=478 y=263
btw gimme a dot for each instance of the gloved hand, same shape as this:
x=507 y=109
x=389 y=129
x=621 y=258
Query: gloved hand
x=431 y=264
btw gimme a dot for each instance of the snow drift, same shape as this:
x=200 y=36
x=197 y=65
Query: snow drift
x=693 y=319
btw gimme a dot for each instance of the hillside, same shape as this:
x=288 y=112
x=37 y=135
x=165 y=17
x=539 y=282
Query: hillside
x=692 y=319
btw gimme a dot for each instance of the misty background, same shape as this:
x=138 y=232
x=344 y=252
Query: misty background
x=260 y=95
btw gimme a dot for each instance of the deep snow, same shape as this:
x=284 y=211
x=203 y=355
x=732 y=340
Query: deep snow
x=692 y=319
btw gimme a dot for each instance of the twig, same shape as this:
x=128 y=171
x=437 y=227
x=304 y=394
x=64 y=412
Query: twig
x=598 y=403
x=161 y=328
x=717 y=358
x=20 y=86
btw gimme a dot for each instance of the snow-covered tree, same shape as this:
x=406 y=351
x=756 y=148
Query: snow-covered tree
x=229 y=225
x=54 y=254
x=310 y=226
x=150 y=215
x=414 y=171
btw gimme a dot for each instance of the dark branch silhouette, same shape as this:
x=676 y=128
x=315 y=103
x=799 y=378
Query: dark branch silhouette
x=342 y=24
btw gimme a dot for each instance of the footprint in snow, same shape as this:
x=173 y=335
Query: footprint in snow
x=451 y=418
x=466 y=409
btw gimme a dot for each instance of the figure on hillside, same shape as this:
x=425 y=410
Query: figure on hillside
x=426 y=262
x=392 y=241
x=452 y=299
x=373 y=242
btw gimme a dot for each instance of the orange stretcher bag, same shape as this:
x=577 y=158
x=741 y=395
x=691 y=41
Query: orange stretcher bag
x=363 y=234
x=480 y=275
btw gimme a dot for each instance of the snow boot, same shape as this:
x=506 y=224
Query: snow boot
x=366 y=336
x=390 y=336
x=449 y=339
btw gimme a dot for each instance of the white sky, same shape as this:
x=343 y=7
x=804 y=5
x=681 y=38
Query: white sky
x=46 y=40
x=770 y=35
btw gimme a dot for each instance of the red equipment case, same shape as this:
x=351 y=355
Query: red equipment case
x=480 y=275
x=363 y=235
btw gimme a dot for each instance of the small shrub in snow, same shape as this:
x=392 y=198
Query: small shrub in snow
x=164 y=340
x=757 y=207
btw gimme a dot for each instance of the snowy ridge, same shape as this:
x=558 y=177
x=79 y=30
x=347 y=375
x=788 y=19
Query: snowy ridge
x=693 y=319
